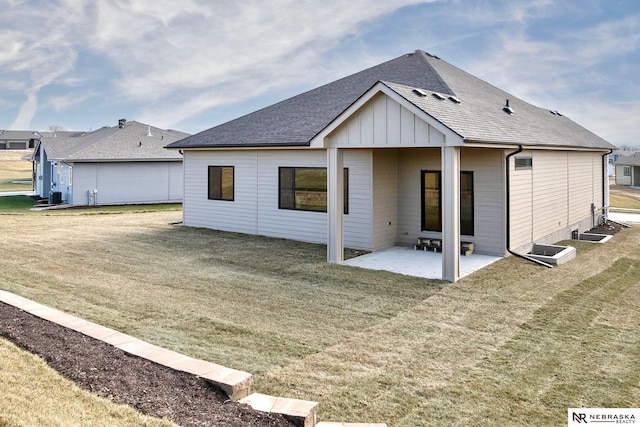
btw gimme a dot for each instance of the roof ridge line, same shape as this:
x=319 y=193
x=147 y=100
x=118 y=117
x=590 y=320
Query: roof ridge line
x=424 y=55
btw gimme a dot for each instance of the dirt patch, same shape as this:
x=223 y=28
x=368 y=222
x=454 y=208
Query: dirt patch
x=109 y=372
x=624 y=190
x=608 y=227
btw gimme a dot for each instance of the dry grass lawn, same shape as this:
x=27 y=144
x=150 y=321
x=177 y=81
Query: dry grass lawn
x=513 y=344
x=12 y=168
x=33 y=394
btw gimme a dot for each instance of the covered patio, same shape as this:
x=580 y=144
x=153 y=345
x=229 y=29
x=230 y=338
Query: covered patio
x=405 y=260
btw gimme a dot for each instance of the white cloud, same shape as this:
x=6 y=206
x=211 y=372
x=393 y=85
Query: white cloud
x=546 y=70
x=617 y=122
x=190 y=50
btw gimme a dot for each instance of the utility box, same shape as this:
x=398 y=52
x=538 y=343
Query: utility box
x=55 y=197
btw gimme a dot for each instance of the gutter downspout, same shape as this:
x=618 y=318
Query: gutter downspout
x=605 y=184
x=508 y=199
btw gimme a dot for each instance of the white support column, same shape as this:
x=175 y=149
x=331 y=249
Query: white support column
x=335 y=205
x=450 y=213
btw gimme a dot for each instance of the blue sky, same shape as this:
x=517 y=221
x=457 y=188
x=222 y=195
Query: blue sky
x=193 y=64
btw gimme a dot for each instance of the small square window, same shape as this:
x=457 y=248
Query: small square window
x=523 y=163
x=221 y=183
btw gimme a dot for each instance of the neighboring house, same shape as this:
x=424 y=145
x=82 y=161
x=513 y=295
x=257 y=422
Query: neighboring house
x=413 y=147
x=628 y=170
x=614 y=157
x=18 y=139
x=112 y=165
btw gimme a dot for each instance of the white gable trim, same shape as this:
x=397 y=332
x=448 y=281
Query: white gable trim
x=451 y=138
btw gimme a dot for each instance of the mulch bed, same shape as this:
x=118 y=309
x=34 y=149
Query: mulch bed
x=109 y=372
x=608 y=227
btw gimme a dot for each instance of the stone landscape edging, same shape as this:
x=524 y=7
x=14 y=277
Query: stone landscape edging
x=237 y=384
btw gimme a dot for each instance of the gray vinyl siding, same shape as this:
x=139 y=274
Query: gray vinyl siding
x=358 y=223
x=555 y=197
x=385 y=198
x=521 y=204
x=620 y=178
x=488 y=183
x=255 y=206
x=291 y=224
x=238 y=215
x=130 y=182
x=488 y=199
x=410 y=163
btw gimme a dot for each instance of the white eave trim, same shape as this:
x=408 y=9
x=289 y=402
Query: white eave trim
x=510 y=145
x=451 y=138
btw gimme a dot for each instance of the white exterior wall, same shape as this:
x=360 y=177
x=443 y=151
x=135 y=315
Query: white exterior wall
x=410 y=164
x=555 y=197
x=620 y=178
x=255 y=206
x=385 y=198
x=487 y=166
x=131 y=182
x=239 y=215
x=488 y=182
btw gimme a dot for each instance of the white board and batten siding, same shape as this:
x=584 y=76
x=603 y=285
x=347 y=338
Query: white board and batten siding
x=384 y=123
x=131 y=182
x=254 y=209
x=554 y=197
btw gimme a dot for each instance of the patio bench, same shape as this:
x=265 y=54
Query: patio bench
x=435 y=245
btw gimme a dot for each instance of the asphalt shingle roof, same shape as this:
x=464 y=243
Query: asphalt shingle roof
x=630 y=160
x=130 y=143
x=479 y=117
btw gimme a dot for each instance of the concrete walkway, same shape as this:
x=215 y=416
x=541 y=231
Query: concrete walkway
x=17 y=193
x=625 y=217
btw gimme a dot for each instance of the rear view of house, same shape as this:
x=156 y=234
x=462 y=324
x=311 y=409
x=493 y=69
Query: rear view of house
x=627 y=170
x=124 y=164
x=411 y=148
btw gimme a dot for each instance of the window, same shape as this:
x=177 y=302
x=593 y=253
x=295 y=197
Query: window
x=70 y=175
x=466 y=203
x=523 y=163
x=221 y=183
x=626 y=171
x=432 y=202
x=305 y=189
x=431 y=196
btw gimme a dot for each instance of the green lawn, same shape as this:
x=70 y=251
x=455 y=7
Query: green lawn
x=513 y=344
x=21 y=205
x=14 y=171
x=623 y=202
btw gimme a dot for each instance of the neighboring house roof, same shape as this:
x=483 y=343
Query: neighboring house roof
x=478 y=117
x=27 y=134
x=631 y=160
x=11 y=135
x=129 y=143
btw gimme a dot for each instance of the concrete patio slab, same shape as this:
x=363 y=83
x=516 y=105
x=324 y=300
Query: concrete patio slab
x=408 y=261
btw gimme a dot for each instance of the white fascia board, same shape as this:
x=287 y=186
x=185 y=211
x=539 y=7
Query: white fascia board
x=451 y=137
